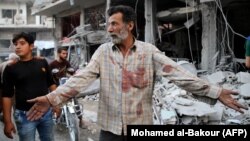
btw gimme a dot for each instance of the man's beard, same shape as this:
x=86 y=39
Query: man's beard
x=63 y=59
x=117 y=38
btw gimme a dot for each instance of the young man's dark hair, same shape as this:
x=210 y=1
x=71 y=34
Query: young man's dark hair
x=27 y=36
x=59 y=50
x=127 y=12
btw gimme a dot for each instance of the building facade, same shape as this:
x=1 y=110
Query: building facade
x=205 y=32
x=15 y=16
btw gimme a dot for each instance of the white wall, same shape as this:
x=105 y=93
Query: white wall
x=22 y=6
x=24 y=16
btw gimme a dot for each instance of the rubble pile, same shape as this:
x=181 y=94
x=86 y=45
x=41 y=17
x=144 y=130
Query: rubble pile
x=173 y=105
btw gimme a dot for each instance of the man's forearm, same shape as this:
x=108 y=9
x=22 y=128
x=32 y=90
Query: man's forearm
x=7 y=106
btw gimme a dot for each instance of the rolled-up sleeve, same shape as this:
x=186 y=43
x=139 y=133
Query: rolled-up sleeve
x=214 y=92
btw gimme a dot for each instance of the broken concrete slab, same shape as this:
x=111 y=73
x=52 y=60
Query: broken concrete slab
x=243 y=77
x=196 y=109
x=217 y=77
x=244 y=90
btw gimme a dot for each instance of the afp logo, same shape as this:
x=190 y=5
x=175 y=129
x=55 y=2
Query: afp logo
x=234 y=132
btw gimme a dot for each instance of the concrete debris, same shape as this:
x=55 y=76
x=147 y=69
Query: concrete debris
x=233 y=121
x=230 y=76
x=244 y=90
x=168 y=116
x=89 y=139
x=217 y=116
x=217 y=77
x=187 y=120
x=196 y=109
x=188 y=66
x=183 y=101
x=170 y=100
x=243 y=77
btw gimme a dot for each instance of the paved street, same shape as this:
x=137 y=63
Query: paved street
x=90 y=133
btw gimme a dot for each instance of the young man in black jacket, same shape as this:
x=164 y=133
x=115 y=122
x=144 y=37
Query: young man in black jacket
x=28 y=78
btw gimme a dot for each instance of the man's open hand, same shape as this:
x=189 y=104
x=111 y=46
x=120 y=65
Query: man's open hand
x=226 y=98
x=40 y=107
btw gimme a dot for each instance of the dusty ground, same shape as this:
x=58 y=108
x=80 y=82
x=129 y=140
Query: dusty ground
x=91 y=131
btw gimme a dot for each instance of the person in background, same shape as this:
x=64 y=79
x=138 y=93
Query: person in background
x=247 y=47
x=64 y=70
x=28 y=78
x=127 y=68
x=12 y=59
x=61 y=64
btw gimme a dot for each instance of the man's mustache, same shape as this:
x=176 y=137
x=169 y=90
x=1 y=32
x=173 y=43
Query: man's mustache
x=113 y=35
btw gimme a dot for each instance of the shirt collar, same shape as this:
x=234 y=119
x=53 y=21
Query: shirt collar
x=133 y=48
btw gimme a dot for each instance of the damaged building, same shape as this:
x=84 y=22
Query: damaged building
x=15 y=16
x=205 y=36
x=204 y=32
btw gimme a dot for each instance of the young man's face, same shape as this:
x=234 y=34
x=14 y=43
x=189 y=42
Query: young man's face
x=63 y=55
x=117 y=29
x=23 y=48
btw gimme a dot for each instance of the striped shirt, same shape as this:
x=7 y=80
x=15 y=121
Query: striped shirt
x=126 y=84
